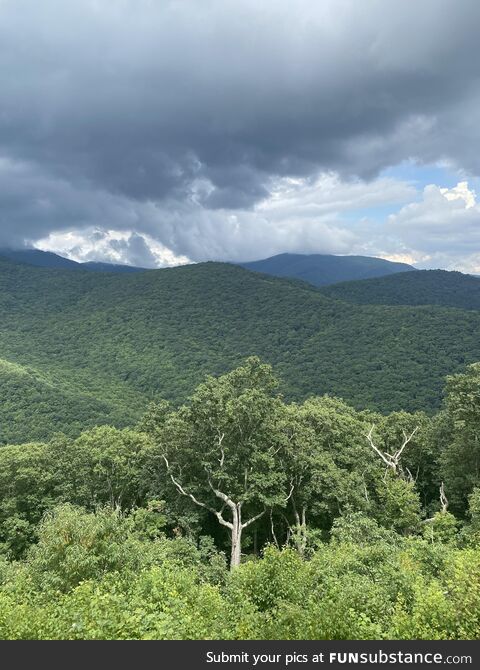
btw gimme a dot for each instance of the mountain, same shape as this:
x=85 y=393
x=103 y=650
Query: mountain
x=109 y=343
x=424 y=287
x=47 y=259
x=322 y=270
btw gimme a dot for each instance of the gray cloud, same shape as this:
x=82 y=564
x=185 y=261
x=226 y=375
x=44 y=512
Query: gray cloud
x=165 y=118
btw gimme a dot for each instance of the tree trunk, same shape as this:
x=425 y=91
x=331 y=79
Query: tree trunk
x=236 y=536
x=235 y=526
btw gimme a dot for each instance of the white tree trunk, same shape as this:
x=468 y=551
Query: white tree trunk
x=237 y=528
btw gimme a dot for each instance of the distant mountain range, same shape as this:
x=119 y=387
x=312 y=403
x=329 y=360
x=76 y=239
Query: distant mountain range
x=47 y=259
x=316 y=269
x=322 y=269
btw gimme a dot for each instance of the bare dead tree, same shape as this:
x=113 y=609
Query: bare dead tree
x=443 y=499
x=392 y=461
x=444 y=509
x=272 y=530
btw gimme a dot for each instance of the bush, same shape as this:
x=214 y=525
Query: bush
x=75 y=545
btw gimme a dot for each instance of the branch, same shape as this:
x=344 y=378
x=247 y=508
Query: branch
x=291 y=491
x=253 y=519
x=406 y=440
x=181 y=490
x=222 y=459
x=393 y=460
x=410 y=477
x=220 y=440
x=386 y=460
x=221 y=495
x=273 y=531
x=365 y=490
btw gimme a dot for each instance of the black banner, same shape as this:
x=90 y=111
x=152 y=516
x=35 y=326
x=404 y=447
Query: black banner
x=241 y=655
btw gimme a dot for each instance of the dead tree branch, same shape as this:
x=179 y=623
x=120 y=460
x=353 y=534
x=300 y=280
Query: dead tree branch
x=392 y=461
x=443 y=499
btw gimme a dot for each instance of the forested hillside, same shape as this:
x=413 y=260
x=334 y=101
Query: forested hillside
x=107 y=343
x=424 y=287
x=35 y=404
x=325 y=269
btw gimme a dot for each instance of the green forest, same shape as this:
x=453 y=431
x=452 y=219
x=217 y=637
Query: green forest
x=210 y=453
x=239 y=515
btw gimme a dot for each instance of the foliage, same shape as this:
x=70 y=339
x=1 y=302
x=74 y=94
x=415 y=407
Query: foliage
x=359 y=529
x=103 y=537
x=103 y=465
x=398 y=505
x=222 y=452
x=26 y=491
x=75 y=545
x=442 y=527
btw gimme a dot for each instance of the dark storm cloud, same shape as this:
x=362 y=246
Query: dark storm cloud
x=107 y=104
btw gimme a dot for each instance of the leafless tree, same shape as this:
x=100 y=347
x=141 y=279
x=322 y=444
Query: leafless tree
x=392 y=461
x=443 y=499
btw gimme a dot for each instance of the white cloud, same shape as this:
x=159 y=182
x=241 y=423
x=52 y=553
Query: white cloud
x=442 y=229
x=460 y=192
x=111 y=246
x=410 y=258
x=328 y=194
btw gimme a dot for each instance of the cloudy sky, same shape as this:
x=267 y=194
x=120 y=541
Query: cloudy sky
x=157 y=132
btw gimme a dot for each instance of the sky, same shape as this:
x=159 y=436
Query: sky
x=160 y=133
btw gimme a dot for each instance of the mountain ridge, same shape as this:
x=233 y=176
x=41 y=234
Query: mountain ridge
x=325 y=269
x=424 y=287
x=49 y=259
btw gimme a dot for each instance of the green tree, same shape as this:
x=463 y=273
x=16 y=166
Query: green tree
x=442 y=527
x=328 y=464
x=222 y=451
x=418 y=457
x=460 y=455
x=26 y=491
x=103 y=466
x=398 y=505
